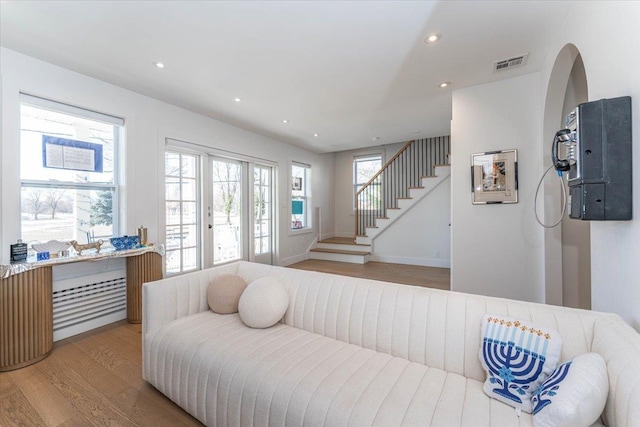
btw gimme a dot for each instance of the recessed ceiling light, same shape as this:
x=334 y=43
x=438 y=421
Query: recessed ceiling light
x=285 y=121
x=417 y=132
x=159 y=64
x=237 y=99
x=432 y=38
x=316 y=135
x=375 y=138
x=445 y=84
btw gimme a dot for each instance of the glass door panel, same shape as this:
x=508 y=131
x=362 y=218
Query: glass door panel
x=226 y=181
x=262 y=214
x=182 y=217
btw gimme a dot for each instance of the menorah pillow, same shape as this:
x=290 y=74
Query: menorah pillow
x=518 y=356
x=574 y=395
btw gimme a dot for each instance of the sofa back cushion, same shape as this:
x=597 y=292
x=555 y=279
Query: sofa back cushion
x=439 y=329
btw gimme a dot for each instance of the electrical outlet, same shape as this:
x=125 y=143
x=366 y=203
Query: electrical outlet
x=436 y=254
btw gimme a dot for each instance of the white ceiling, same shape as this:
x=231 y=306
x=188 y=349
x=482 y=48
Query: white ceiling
x=350 y=71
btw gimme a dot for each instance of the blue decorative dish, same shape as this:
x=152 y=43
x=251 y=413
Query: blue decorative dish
x=124 y=242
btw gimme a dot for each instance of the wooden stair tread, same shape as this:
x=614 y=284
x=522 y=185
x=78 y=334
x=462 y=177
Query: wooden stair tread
x=340 y=251
x=342 y=241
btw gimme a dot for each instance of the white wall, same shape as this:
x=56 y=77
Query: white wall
x=606 y=35
x=148 y=123
x=497 y=250
x=422 y=235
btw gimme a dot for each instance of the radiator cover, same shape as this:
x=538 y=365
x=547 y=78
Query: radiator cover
x=87 y=302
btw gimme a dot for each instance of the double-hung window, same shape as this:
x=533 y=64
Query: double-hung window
x=68 y=172
x=300 y=196
x=364 y=168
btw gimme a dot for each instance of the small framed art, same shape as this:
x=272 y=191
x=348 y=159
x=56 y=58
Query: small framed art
x=494 y=177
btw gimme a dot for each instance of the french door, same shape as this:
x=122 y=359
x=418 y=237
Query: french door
x=219 y=212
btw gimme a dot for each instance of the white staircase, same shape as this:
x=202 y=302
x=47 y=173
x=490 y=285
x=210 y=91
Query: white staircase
x=410 y=175
x=404 y=204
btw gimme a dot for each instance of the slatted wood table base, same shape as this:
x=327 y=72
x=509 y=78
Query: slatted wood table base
x=26 y=318
x=140 y=269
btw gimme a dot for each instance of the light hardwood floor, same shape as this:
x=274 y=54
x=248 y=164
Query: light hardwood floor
x=95 y=378
x=429 y=277
x=92 y=379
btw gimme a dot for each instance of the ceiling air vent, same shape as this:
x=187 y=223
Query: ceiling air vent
x=507 y=64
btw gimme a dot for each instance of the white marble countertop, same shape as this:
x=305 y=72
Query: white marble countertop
x=7 y=270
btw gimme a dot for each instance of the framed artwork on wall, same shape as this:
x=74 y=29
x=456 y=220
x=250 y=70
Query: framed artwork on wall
x=494 y=177
x=296 y=183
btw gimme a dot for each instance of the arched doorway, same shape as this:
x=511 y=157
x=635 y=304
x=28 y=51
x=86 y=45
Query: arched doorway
x=567 y=247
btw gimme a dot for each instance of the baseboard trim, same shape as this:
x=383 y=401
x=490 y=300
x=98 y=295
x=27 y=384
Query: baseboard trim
x=294 y=259
x=425 y=262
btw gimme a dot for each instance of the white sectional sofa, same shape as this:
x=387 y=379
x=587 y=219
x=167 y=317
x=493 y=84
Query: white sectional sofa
x=356 y=352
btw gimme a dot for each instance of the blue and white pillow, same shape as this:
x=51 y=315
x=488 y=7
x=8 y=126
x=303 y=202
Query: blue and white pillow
x=574 y=395
x=518 y=356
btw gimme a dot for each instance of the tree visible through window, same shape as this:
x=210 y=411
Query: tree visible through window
x=364 y=168
x=67 y=172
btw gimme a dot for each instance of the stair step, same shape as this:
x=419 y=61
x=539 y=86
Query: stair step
x=340 y=251
x=340 y=241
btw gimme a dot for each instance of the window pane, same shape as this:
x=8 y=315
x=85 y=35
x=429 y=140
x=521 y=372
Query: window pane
x=189 y=259
x=189 y=212
x=173 y=213
x=299 y=194
x=264 y=228
x=190 y=235
x=173 y=261
x=171 y=164
x=266 y=242
x=36 y=123
x=172 y=188
x=366 y=169
x=189 y=166
x=174 y=237
x=66 y=214
x=189 y=189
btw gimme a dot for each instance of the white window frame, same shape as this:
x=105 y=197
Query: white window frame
x=306 y=185
x=356 y=159
x=58 y=107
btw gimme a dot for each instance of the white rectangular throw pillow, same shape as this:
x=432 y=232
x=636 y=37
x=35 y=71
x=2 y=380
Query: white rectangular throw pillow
x=518 y=356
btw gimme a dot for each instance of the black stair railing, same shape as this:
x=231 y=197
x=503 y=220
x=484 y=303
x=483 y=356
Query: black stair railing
x=405 y=170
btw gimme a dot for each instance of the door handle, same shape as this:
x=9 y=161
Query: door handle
x=210 y=226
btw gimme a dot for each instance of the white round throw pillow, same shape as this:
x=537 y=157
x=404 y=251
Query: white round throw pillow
x=224 y=293
x=263 y=303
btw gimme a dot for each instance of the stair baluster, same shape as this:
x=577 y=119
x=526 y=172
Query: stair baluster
x=416 y=160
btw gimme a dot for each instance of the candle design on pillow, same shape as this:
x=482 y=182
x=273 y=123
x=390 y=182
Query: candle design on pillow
x=515 y=355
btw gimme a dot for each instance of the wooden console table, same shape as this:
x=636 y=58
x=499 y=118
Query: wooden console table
x=26 y=308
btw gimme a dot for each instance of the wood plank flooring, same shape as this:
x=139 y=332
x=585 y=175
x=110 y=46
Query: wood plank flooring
x=429 y=277
x=92 y=379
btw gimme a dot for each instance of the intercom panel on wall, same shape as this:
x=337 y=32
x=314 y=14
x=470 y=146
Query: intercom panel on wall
x=600 y=177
